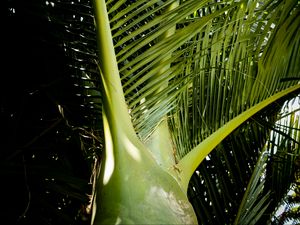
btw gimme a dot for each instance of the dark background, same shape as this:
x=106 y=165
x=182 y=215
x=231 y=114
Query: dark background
x=44 y=174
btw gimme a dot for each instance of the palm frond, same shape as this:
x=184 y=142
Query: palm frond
x=255 y=202
x=76 y=35
x=231 y=73
x=221 y=180
x=141 y=60
x=284 y=152
x=290 y=205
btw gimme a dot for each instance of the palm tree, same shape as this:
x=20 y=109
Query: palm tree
x=189 y=93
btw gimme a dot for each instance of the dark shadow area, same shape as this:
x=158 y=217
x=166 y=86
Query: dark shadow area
x=44 y=172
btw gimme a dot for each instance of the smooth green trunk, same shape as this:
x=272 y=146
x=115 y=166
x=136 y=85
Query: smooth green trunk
x=131 y=187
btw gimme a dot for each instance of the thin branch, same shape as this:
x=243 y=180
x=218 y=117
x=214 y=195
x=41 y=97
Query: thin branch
x=28 y=191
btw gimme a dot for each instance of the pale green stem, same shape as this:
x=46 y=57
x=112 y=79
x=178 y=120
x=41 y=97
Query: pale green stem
x=121 y=141
x=189 y=163
x=160 y=142
x=113 y=101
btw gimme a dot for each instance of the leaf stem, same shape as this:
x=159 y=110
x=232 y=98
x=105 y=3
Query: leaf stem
x=189 y=163
x=113 y=101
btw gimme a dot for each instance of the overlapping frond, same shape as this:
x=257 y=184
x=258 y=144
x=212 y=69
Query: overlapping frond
x=220 y=56
x=284 y=150
x=221 y=180
x=225 y=58
x=255 y=201
x=143 y=50
x=232 y=70
x=245 y=178
x=76 y=35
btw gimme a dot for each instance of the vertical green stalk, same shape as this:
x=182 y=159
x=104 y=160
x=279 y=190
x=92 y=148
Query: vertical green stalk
x=113 y=102
x=160 y=142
